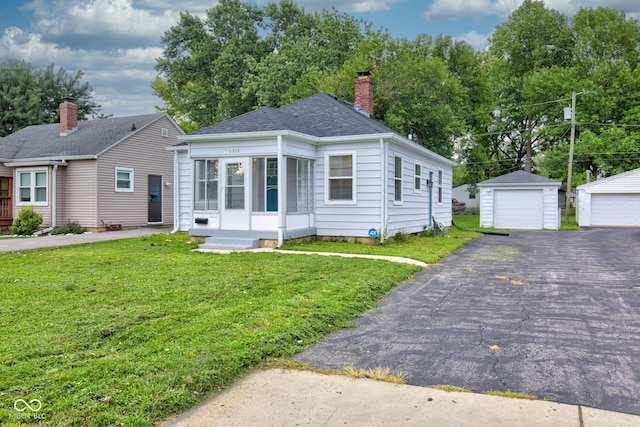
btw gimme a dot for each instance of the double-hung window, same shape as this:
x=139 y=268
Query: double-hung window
x=206 y=185
x=397 y=173
x=439 y=186
x=417 y=184
x=32 y=187
x=124 y=180
x=341 y=178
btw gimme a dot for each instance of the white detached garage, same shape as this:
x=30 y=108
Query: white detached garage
x=613 y=201
x=519 y=200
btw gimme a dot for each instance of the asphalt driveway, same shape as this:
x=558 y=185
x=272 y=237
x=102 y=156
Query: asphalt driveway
x=553 y=314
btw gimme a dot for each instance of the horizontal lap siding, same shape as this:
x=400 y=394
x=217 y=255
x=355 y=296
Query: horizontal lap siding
x=77 y=199
x=344 y=219
x=145 y=153
x=185 y=200
x=217 y=149
x=412 y=214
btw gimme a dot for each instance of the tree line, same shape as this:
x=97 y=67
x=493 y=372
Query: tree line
x=495 y=110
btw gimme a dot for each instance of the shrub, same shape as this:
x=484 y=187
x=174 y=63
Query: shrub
x=27 y=222
x=69 y=228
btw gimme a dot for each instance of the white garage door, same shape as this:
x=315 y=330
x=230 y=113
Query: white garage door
x=518 y=209
x=615 y=209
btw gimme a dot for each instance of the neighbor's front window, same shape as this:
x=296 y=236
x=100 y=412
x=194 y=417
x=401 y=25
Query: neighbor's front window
x=206 y=185
x=341 y=178
x=32 y=187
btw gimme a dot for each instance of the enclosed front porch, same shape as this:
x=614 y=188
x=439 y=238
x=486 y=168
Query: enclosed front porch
x=245 y=202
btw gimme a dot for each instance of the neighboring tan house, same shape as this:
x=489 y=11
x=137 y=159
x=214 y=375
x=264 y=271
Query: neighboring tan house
x=317 y=167
x=99 y=173
x=611 y=202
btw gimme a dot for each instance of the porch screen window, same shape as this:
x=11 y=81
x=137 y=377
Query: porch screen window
x=124 y=179
x=265 y=185
x=206 y=185
x=340 y=186
x=397 y=179
x=439 y=186
x=32 y=186
x=299 y=192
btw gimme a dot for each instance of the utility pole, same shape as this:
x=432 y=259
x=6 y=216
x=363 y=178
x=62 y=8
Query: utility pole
x=570 y=169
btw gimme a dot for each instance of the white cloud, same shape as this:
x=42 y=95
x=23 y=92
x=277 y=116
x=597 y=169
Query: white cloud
x=477 y=41
x=458 y=9
x=349 y=6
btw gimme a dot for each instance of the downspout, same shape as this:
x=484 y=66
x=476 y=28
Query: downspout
x=383 y=205
x=430 y=188
x=281 y=193
x=176 y=195
x=54 y=184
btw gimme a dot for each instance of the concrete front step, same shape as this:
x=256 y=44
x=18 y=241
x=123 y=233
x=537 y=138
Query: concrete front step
x=229 y=243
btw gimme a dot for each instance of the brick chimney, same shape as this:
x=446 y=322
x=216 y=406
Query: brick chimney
x=68 y=117
x=364 y=92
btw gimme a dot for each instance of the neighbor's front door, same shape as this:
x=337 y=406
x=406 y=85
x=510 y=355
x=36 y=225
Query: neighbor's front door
x=155 y=198
x=234 y=195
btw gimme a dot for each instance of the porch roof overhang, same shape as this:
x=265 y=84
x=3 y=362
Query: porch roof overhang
x=29 y=163
x=316 y=140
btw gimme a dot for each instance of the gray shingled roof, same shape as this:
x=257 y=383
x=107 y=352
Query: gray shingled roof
x=519 y=177
x=91 y=138
x=318 y=115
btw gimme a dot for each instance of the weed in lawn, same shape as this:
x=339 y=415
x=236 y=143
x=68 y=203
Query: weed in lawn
x=378 y=374
x=450 y=388
x=510 y=394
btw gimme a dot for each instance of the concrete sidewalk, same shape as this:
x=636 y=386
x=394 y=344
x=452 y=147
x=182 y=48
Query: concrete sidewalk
x=299 y=398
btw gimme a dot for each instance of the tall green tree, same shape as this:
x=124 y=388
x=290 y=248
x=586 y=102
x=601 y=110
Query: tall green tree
x=534 y=39
x=30 y=96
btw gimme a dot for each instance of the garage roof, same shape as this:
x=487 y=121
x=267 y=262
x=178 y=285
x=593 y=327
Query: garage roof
x=519 y=177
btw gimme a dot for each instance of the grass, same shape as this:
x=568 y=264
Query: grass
x=510 y=394
x=131 y=332
x=472 y=222
x=426 y=248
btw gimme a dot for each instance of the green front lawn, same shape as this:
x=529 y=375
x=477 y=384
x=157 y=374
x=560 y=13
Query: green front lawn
x=131 y=332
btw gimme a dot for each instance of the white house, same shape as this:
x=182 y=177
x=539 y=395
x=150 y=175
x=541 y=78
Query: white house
x=613 y=201
x=462 y=193
x=317 y=167
x=519 y=200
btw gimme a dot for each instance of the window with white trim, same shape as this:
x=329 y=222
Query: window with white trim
x=32 y=187
x=397 y=174
x=206 y=185
x=124 y=180
x=439 y=186
x=417 y=176
x=340 y=178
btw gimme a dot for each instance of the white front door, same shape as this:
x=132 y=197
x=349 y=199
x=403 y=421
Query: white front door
x=235 y=209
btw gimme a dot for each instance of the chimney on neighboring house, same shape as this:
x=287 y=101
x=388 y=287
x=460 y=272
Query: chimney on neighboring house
x=68 y=117
x=364 y=92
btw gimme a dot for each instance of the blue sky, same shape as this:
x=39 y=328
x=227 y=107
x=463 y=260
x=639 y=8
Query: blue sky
x=115 y=42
